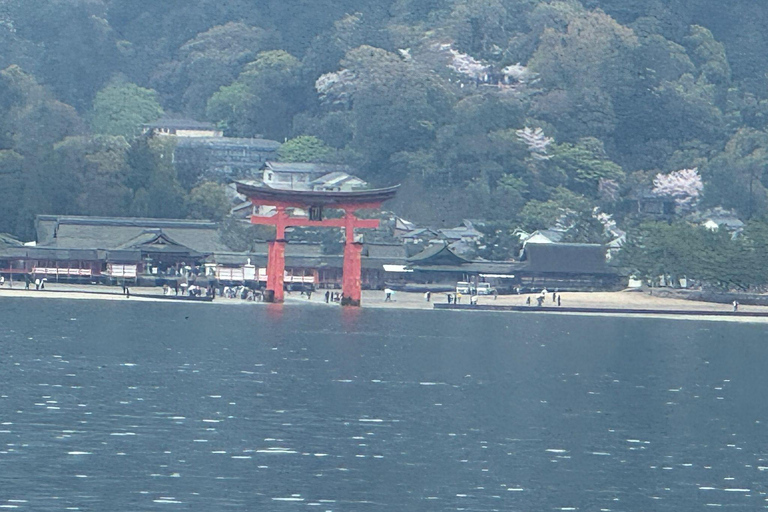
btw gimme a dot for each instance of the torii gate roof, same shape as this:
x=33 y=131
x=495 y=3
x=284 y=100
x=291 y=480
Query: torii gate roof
x=268 y=195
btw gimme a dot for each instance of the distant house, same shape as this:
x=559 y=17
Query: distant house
x=554 y=266
x=90 y=248
x=181 y=128
x=647 y=204
x=465 y=233
x=224 y=158
x=439 y=268
x=558 y=266
x=543 y=236
x=401 y=226
x=307 y=264
x=202 y=149
x=419 y=236
x=310 y=176
x=152 y=251
x=720 y=218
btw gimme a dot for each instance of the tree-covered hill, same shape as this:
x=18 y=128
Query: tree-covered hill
x=523 y=112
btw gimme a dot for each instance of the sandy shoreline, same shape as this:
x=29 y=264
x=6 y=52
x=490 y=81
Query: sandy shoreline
x=404 y=300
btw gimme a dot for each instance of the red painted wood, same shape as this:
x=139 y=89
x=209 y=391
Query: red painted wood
x=276 y=269
x=351 y=286
x=351 y=278
x=327 y=223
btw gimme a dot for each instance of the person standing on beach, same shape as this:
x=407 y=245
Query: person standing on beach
x=735 y=306
x=528 y=301
x=327 y=296
x=558 y=300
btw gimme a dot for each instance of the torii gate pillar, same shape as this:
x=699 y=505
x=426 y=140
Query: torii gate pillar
x=351 y=280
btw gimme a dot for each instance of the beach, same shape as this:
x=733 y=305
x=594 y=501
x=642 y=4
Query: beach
x=629 y=299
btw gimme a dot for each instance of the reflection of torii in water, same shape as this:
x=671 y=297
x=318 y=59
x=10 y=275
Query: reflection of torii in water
x=314 y=202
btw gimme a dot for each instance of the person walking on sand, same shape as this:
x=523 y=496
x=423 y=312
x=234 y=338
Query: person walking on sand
x=735 y=306
x=458 y=297
x=327 y=296
x=450 y=298
x=528 y=301
x=558 y=300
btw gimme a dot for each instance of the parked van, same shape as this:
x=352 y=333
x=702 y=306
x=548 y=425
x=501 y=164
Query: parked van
x=485 y=289
x=466 y=288
x=463 y=288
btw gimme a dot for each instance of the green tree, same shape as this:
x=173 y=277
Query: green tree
x=674 y=251
x=263 y=99
x=735 y=177
x=567 y=211
x=153 y=179
x=121 y=108
x=305 y=148
x=210 y=60
x=209 y=201
x=585 y=163
x=97 y=168
x=581 y=68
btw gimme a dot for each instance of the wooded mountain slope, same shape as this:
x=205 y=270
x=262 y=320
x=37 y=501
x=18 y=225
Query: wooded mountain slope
x=509 y=110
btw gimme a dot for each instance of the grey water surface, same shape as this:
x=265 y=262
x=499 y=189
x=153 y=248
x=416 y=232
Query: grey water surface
x=128 y=406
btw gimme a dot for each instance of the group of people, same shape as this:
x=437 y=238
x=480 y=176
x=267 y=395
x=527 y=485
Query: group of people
x=556 y=298
x=241 y=292
x=455 y=298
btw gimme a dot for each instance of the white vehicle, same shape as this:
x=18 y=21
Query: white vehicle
x=466 y=288
x=463 y=288
x=485 y=289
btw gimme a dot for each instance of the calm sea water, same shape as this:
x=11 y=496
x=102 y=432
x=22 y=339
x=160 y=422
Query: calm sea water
x=133 y=406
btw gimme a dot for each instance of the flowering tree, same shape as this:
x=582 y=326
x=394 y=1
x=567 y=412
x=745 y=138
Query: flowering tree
x=468 y=65
x=336 y=88
x=517 y=73
x=536 y=141
x=684 y=186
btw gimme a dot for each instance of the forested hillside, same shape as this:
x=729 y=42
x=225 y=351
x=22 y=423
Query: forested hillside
x=514 y=111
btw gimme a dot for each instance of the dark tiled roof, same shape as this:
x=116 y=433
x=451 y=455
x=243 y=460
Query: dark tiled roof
x=306 y=168
x=437 y=254
x=114 y=232
x=566 y=259
x=228 y=143
x=472 y=267
x=419 y=233
x=7 y=240
x=180 y=124
x=385 y=251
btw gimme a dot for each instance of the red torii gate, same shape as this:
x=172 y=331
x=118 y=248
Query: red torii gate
x=314 y=202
